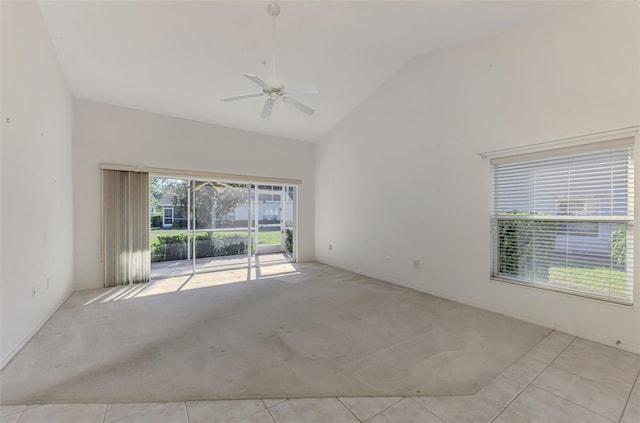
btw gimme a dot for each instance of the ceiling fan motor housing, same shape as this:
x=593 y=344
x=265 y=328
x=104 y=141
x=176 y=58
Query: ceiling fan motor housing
x=273 y=9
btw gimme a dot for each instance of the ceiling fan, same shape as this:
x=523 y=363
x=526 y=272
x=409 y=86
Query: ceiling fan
x=273 y=88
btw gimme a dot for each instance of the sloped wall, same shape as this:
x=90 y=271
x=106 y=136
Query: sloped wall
x=400 y=178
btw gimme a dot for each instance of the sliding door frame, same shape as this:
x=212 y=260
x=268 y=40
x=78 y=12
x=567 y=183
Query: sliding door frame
x=251 y=184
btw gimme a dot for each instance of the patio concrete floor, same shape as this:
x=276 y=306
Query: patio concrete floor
x=172 y=268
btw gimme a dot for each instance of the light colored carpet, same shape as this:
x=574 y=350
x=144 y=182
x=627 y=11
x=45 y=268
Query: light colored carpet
x=304 y=331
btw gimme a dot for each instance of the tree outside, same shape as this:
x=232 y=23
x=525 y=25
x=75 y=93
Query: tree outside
x=214 y=202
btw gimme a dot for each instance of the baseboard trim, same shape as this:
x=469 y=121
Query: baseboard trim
x=624 y=345
x=20 y=345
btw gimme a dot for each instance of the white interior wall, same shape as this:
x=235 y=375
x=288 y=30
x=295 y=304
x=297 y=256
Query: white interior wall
x=111 y=134
x=400 y=179
x=36 y=196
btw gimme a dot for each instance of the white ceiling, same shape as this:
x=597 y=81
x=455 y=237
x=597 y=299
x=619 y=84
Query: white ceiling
x=179 y=58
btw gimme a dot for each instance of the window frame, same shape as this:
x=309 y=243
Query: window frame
x=613 y=142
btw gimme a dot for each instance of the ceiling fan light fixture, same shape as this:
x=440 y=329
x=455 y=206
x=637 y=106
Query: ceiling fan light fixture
x=273 y=88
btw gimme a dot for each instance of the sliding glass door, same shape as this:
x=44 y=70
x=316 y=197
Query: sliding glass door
x=170 y=234
x=267 y=221
x=220 y=211
x=288 y=218
x=207 y=225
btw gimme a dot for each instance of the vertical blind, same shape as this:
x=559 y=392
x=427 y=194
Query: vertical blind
x=125 y=214
x=563 y=220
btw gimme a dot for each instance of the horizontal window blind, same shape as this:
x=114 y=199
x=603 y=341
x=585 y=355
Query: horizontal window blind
x=565 y=222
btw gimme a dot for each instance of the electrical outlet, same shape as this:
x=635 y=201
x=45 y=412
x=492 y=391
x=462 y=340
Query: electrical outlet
x=388 y=257
x=33 y=292
x=48 y=283
x=330 y=247
x=416 y=264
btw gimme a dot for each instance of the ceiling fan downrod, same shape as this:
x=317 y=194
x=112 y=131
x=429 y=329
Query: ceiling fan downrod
x=273 y=9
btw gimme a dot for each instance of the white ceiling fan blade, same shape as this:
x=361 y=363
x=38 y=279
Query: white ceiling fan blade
x=242 y=97
x=295 y=103
x=302 y=89
x=256 y=80
x=266 y=110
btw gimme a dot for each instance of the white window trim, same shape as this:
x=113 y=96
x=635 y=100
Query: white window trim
x=577 y=141
x=628 y=136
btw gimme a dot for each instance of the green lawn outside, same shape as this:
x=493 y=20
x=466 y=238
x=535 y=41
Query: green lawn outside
x=577 y=277
x=266 y=237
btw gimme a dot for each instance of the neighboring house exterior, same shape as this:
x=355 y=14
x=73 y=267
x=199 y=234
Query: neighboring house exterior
x=270 y=209
x=167 y=209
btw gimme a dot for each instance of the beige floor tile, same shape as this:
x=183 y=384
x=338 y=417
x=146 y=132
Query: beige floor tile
x=117 y=411
x=260 y=417
x=10 y=418
x=230 y=411
x=461 y=409
x=312 y=410
x=367 y=407
x=174 y=412
x=64 y=413
x=600 y=363
x=5 y=410
x=540 y=406
x=503 y=389
x=271 y=402
x=549 y=348
x=405 y=411
x=508 y=417
x=632 y=412
x=599 y=398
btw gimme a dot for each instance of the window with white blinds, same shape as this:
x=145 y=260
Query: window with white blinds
x=563 y=220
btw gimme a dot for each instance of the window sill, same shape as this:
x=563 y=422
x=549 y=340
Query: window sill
x=514 y=282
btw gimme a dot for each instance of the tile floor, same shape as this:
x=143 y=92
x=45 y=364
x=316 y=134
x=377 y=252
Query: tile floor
x=562 y=379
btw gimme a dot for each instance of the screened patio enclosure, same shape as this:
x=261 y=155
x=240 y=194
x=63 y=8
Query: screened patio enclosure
x=207 y=225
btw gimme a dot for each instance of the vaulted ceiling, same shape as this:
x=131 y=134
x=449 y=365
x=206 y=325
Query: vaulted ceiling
x=181 y=57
